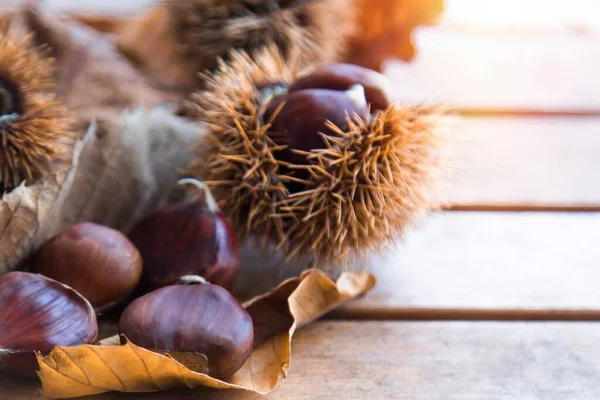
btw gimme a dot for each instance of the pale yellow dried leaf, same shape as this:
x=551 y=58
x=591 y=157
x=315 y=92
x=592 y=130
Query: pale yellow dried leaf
x=78 y=371
x=22 y=211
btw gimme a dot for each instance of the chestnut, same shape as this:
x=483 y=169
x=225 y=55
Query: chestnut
x=36 y=314
x=321 y=103
x=298 y=118
x=187 y=239
x=199 y=319
x=97 y=261
x=343 y=76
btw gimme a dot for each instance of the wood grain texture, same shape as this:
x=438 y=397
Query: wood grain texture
x=385 y=313
x=425 y=361
x=529 y=160
x=515 y=207
x=545 y=261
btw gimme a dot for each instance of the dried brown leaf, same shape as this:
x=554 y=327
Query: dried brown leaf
x=22 y=212
x=85 y=370
x=126 y=169
x=92 y=75
x=123 y=168
x=149 y=41
x=385 y=29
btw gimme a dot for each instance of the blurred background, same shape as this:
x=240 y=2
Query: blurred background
x=511 y=54
x=535 y=61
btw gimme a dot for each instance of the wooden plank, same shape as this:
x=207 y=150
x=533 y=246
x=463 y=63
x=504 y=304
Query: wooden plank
x=523 y=207
x=546 y=70
x=98 y=6
x=384 y=313
x=545 y=262
x=538 y=161
x=465 y=265
x=423 y=360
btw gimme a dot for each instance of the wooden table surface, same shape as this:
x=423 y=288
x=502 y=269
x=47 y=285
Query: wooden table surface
x=498 y=297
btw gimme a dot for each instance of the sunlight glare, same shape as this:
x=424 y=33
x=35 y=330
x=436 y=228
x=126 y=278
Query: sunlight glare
x=530 y=13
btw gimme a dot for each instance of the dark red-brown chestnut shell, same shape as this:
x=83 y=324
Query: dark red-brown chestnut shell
x=191 y=238
x=199 y=319
x=342 y=77
x=97 y=261
x=37 y=314
x=322 y=103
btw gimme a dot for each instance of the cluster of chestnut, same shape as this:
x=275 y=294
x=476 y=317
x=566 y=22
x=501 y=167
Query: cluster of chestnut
x=164 y=265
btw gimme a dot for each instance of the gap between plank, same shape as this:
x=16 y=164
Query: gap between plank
x=523 y=207
x=523 y=112
x=461 y=314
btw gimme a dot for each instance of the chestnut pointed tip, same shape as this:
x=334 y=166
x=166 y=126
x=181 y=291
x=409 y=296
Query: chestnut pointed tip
x=378 y=87
x=193 y=280
x=357 y=94
x=203 y=188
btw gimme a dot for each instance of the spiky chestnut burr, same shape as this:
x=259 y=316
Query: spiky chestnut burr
x=209 y=29
x=346 y=187
x=35 y=129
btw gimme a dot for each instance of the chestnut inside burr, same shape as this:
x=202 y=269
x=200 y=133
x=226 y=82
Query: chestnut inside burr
x=320 y=104
x=377 y=88
x=300 y=113
x=10 y=101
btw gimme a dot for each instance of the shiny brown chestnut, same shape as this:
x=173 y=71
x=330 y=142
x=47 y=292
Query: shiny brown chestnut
x=37 y=314
x=328 y=96
x=343 y=76
x=190 y=238
x=197 y=319
x=299 y=117
x=97 y=261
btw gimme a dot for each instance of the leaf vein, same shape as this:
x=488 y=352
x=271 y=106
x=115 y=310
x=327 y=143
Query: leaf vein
x=110 y=369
